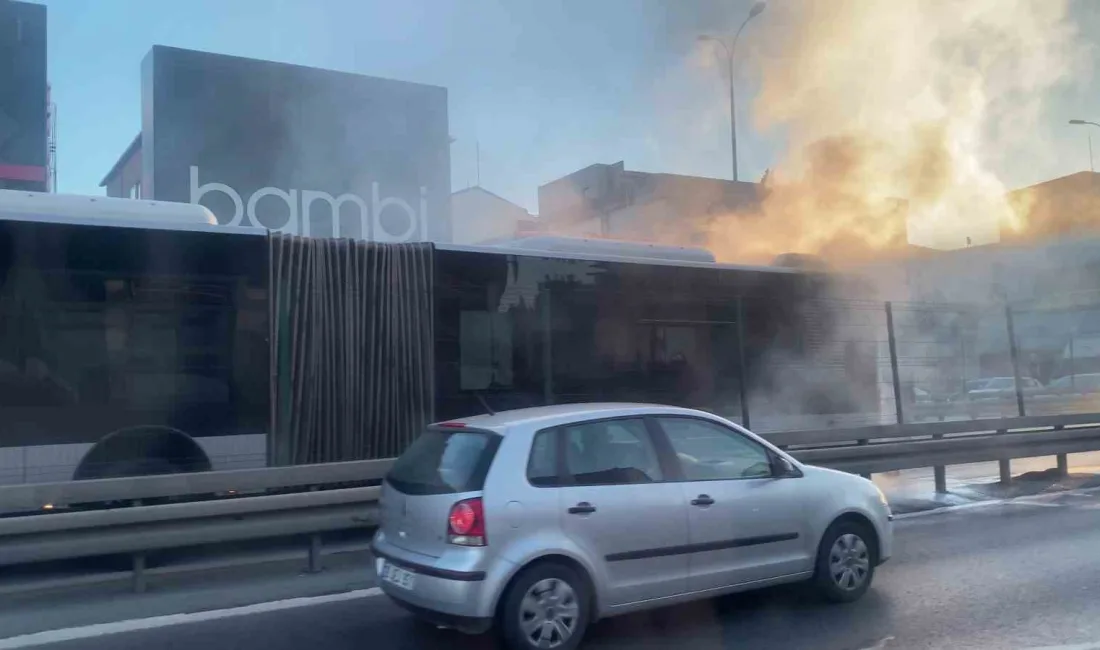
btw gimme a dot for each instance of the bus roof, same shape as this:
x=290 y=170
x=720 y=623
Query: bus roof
x=163 y=215
x=613 y=247
x=629 y=253
x=18 y=205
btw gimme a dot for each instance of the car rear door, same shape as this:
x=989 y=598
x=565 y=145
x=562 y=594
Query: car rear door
x=745 y=524
x=617 y=507
x=443 y=466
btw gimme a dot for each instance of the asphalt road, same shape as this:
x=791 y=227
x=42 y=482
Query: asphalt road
x=1019 y=575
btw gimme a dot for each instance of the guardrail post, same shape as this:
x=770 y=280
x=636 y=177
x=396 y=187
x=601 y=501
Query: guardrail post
x=1014 y=354
x=892 y=339
x=939 y=472
x=1063 y=459
x=1005 y=465
x=138 y=578
x=314 y=565
x=314 y=554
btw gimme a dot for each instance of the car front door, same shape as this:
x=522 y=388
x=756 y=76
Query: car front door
x=745 y=523
x=618 y=508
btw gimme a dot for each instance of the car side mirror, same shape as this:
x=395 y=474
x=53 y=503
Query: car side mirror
x=783 y=468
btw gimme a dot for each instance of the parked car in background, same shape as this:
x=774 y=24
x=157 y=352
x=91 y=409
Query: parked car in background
x=1075 y=384
x=539 y=521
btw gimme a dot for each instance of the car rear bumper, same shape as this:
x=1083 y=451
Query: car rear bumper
x=466 y=624
x=885 y=539
x=459 y=599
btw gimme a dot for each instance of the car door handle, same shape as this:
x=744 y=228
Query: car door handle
x=582 y=508
x=702 y=500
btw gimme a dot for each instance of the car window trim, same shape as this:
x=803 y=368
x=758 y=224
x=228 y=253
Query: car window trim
x=556 y=439
x=484 y=464
x=568 y=480
x=668 y=448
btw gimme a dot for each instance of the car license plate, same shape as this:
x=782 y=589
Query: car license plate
x=398 y=576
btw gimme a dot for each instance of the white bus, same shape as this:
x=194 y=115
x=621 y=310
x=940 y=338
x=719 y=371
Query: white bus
x=139 y=337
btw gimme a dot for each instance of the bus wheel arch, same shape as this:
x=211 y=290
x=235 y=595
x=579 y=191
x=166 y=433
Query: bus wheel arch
x=143 y=450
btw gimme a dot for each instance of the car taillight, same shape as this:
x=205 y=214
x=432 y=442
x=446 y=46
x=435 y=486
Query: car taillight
x=466 y=523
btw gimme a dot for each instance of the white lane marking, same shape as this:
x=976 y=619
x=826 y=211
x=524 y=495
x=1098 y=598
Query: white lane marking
x=880 y=645
x=1081 y=646
x=103 y=629
x=947 y=509
x=997 y=502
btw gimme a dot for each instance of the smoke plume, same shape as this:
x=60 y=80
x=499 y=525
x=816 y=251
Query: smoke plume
x=897 y=115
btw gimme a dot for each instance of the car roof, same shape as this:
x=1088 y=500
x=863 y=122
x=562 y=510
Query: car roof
x=548 y=416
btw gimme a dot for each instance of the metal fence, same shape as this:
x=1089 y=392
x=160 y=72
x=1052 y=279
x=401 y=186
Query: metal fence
x=919 y=362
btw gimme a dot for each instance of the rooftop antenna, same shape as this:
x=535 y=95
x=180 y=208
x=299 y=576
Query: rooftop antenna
x=477 y=155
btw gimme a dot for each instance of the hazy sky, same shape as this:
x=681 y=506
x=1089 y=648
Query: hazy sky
x=547 y=87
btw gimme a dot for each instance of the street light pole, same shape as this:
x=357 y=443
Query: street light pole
x=1087 y=123
x=730 y=50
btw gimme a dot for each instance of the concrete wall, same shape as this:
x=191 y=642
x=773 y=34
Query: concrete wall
x=612 y=201
x=124 y=181
x=478 y=215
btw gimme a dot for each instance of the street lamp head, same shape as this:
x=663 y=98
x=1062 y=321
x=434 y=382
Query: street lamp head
x=1077 y=122
x=757 y=9
x=703 y=38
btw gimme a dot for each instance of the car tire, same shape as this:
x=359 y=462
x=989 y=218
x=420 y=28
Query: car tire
x=845 y=563
x=547 y=592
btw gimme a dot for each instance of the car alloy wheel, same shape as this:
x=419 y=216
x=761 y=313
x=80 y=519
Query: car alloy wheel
x=549 y=613
x=849 y=562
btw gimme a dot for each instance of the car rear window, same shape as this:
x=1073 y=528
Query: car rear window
x=445 y=462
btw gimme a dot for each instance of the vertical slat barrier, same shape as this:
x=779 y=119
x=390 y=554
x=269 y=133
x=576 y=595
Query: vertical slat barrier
x=1015 y=356
x=742 y=380
x=353 y=348
x=891 y=337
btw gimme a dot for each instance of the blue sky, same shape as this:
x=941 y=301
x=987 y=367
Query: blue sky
x=546 y=87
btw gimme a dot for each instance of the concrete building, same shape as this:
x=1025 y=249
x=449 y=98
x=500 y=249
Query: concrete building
x=604 y=200
x=289 y=148
x=478 y=215
x=1055 y=208
x=124 y=178
x=24 y=97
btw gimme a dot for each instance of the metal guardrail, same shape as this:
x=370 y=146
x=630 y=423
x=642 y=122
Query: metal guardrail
x=33 y=496
x=828 y=437
x=321 y=505
x=883 y=448
x=321 y=501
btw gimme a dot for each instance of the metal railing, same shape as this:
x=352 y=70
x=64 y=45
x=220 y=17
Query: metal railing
x=315 y=499
x=884 y=448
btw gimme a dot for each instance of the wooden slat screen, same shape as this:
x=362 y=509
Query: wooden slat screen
x=351 y=348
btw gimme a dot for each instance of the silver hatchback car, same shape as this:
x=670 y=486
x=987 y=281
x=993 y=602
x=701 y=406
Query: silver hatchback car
x=542 y=520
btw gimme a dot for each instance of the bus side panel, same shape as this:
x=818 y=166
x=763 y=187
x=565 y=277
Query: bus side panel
x=525 y=330
x=109 y=329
